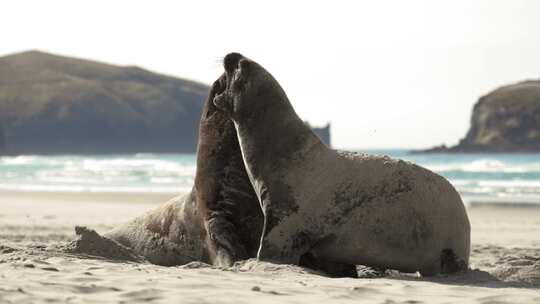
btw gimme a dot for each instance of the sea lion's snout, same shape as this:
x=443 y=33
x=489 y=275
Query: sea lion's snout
x=238 y=82
x=228 y=81
x=230 y=62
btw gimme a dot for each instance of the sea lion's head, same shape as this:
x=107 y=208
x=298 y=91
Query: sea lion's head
x=247 y=87
x=209 y=108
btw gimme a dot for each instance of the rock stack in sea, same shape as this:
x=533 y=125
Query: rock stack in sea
x=505 y=120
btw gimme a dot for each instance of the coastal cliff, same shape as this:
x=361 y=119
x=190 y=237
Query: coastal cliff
x=58 y=105
x=53 y=104
x=505 y=120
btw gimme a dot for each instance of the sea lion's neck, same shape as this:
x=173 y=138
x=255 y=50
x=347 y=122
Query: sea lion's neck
x=273 y=142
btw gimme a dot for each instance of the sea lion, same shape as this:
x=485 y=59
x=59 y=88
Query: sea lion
x=339 y=206
x=219 y=222
x=231 y=214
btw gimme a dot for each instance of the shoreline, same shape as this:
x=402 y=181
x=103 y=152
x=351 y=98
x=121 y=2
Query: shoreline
x=87 y=197
x=104 y=210
x=160 y=197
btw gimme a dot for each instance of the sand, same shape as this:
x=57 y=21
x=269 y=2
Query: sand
x=505 y=256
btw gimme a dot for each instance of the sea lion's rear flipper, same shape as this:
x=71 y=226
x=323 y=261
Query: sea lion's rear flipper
x=333 y=269
x=451 y=263
x=89 y=242
x=447 y=263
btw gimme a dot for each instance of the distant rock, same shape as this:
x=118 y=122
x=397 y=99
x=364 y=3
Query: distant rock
x=323 y=133
x=52 y=104
x=505 y=120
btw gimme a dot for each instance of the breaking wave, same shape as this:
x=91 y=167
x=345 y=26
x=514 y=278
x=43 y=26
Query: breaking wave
x=476 y=176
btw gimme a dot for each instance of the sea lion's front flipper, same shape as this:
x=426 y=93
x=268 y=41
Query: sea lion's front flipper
x=282 y=242
x=226 y=246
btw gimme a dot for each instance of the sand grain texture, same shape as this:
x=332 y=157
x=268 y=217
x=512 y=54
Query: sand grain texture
x=35 y=269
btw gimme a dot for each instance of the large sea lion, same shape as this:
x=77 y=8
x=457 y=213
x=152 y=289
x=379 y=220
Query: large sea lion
x=219 y=222
x=344 y=207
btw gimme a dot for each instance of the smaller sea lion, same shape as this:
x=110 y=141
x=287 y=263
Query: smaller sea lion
x=220 y=221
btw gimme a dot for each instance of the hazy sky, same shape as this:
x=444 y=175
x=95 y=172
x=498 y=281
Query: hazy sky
x=385 y=73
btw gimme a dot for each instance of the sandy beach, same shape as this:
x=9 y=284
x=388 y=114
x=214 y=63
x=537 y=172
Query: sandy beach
x=505 y=259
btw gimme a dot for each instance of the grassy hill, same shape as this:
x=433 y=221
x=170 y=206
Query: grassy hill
x=59 y=105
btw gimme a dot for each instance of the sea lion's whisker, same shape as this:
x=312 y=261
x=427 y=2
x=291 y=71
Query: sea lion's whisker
x=218 y=62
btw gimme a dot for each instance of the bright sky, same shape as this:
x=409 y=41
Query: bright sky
x=385 y=73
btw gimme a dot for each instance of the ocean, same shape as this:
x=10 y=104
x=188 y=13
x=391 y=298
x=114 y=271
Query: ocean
x=513 y=178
